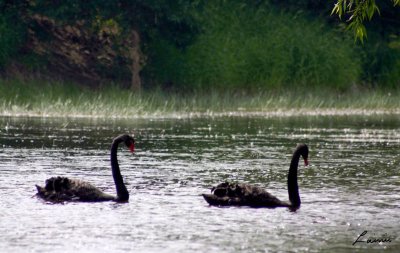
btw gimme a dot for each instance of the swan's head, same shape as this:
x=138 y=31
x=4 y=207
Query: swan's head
x=129 y=141
x=303 y=149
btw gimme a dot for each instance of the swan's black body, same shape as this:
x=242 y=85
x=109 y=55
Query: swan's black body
x=60 y=189
x=232 y=194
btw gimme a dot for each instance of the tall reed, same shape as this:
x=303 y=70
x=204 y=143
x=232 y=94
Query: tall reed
x=40 y=98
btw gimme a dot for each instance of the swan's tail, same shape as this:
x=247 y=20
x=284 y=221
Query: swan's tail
x=40 y=190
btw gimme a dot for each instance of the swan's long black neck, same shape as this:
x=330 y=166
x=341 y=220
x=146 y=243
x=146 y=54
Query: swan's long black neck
x=122 y=192
x=293 y=187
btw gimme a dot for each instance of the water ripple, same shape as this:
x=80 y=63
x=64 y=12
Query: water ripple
x=351 y=185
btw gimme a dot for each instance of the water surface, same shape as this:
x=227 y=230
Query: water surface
x=352 y=184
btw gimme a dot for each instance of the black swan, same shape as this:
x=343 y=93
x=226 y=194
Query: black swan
x=60 y=189
x=232 y=194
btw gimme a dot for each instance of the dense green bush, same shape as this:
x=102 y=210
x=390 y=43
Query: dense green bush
x=245 y=47
x=11 y=38
x=165 y=63
x=381 y=60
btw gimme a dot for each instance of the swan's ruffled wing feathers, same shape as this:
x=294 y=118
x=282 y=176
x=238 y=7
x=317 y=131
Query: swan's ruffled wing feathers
x=60 y=189
x=242 y=195
x=258 y=197
x=85 y=191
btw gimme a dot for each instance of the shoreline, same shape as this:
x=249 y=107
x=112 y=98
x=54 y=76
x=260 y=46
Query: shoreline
x=212 y=114
x=38 y=99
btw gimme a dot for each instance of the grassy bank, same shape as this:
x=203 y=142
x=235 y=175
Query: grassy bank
x=36 y=98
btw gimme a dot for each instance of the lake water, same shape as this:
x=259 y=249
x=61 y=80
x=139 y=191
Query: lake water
x=352 y=184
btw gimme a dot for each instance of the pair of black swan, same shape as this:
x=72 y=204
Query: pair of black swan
x=60 y=189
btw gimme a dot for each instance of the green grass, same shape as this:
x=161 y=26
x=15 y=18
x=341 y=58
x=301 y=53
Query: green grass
x=36 y=98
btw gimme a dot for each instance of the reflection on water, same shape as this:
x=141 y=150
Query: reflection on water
x=351 y=186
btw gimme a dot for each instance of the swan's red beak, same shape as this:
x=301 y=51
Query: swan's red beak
x=132 y=148
x=305 y=162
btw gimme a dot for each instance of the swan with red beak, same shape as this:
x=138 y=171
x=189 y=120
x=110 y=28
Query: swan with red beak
x=61 y=189
x=234 y=194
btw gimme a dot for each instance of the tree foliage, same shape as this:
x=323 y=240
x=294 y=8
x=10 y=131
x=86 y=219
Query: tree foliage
x=358 y=11
x=184 y=43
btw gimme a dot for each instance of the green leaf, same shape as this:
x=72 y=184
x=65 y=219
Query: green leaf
x=337 y=10
x=370 y=10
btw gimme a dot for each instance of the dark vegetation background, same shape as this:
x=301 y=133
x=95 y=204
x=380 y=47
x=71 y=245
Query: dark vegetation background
x=197 y=45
